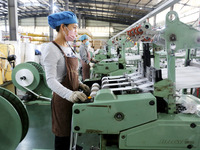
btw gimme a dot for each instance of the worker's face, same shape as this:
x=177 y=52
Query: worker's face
x=71 y=27
x=70 y=32
x=84 y=41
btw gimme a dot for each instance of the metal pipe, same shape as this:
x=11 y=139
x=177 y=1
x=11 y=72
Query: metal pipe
x=38 y=96
x=66 y=5
x=154 y=12
x=79 y=19
x=5 y=23
x=75 y=8
x=13 y=19
x=51 y=12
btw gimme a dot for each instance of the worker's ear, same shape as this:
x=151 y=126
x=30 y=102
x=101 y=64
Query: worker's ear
x=62 y=26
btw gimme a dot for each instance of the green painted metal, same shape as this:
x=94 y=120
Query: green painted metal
x=19 y=107
x=176 y=27
x=113 y=68
x=105 y=67
x=39 y=85
x=156 y=60
x=169 y=132
x=37 y=102
x=110 y=44
x=175 y=39
x=123 y=71
x=156 y=56
x=122 y=52
x=133 y=118
x=33 y=70
x=10 y=126
x=104 y=95
x=110 y=114
x=14 y=120
x=100 y=57
x=163 y=88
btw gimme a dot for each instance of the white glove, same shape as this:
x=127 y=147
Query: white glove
x=91 y=64
x=85 y=88
x=76 y=96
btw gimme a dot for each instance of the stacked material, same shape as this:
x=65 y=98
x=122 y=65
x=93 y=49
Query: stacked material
x=186 y=77
x=5 y=67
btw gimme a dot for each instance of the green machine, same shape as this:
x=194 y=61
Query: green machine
x=104 y=53
x=101 y=55
x=30 y=77
x=142 y=113
x=14 y=120
x=113 y=66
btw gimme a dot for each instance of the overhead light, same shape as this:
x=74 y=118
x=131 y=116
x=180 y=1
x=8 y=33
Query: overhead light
x=55 y=8
x=140 y=8
x=131 y=15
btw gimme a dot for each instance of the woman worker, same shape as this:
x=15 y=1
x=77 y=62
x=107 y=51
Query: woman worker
x=61 y=64
x=85 y=57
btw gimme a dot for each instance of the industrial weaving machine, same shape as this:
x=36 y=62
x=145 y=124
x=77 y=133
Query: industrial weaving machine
x=141 y=110
x=110 y=65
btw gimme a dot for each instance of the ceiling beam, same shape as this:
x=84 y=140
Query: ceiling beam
x=84 y=9
x=109 y=19
x=93 y=10
x=92 y=17
x=112 y=12
x=125 y=5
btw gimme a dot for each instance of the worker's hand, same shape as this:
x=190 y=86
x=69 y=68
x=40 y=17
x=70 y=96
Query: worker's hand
x=91 y=64
x=94 y=61
x=85 y=88
x=76 y=96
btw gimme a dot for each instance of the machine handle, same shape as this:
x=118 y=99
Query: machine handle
x=88 y=100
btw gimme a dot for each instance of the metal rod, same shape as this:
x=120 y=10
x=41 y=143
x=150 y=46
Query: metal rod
x=38 y=96
x=67 y=5
x=13 y=20
x=154 y=12
x=51 y=12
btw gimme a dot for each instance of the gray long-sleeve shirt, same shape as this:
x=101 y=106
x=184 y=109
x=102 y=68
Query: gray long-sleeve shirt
x=83 y=50
x=55 y=69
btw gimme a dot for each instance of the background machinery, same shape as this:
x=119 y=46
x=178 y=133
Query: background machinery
x=142 y=110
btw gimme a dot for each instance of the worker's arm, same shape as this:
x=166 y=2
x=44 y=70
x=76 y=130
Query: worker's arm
x=83 y=54
x=51 y=58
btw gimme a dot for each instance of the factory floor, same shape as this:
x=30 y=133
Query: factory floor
x=40 y=137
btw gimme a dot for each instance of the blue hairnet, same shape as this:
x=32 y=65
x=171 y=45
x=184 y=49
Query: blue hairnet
x=83 y=37
x=65 y=17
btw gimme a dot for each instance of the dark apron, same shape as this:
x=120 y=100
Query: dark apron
x=62 y=108
x=86 y=68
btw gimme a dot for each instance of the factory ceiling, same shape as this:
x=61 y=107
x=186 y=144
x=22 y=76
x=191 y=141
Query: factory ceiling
x=114 y=11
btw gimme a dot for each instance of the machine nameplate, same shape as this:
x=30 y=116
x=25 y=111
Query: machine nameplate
x=170 y=141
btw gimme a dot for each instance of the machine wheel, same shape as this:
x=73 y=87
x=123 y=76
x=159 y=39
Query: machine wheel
x=14 y=120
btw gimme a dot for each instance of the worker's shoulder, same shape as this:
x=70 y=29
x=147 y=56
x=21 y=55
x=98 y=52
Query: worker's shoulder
x=51 y=50
x=50 y=47
x=81 y=47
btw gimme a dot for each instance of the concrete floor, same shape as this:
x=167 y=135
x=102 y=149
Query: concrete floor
x=40 y=137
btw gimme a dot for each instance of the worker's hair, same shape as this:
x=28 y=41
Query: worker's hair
x=58 y=28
